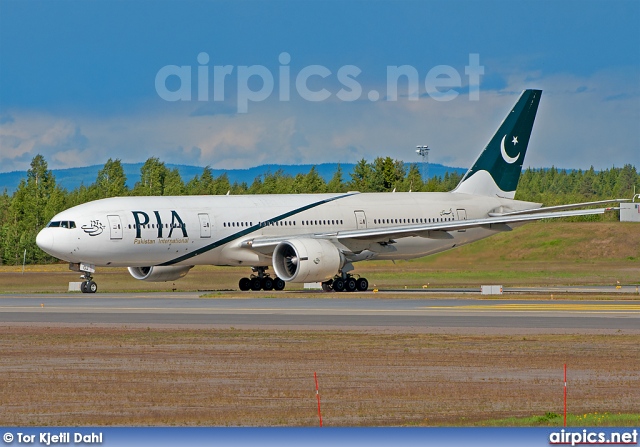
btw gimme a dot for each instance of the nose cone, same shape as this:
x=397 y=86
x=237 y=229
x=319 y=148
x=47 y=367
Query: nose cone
x=45 y=241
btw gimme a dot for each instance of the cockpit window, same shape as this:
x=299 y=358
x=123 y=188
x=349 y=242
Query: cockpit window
x=63 y=224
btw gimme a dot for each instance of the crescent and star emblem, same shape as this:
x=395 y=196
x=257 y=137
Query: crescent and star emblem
x=505 y=156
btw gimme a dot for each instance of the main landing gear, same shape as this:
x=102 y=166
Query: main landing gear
x=260 y=281
x=346 y=283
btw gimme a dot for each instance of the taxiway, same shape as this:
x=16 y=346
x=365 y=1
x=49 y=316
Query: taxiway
x=314 y=313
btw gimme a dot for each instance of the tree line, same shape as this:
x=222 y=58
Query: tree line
x=38 y=198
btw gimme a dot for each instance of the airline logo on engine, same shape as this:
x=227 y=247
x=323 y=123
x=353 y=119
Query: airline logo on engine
x=163 y=230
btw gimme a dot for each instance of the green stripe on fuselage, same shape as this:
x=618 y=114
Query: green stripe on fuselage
x=251 y=229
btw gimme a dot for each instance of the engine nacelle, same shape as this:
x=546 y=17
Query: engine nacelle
x=160 y=273
x=307 y=260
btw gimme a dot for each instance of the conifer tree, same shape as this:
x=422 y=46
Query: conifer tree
x=111 y=180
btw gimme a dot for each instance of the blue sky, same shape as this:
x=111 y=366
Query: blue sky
x=78 y=80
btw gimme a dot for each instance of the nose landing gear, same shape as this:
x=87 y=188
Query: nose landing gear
x=88 y=285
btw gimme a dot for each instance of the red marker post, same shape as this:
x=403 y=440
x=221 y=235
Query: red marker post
x=315 y=377
x=565 y=394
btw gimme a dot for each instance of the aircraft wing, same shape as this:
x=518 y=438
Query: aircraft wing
x=547 y=209
x=439 y=230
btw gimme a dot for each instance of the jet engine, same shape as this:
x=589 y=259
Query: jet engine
x=307 y=260
x=160 y=273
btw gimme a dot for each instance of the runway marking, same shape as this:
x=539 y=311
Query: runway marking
x=589 y=307
x=608 y=308
x=201 y=309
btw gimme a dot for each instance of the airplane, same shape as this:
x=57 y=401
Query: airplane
x=304 y=237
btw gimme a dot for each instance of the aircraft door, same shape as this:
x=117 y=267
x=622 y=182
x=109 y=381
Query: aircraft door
x=205 y=225
x=115 y=227
x=361 y=220
x=462 y=215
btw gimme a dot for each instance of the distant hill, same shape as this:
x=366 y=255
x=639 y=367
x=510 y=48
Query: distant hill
x=71 y=178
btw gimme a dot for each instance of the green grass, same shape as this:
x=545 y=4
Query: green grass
x=544 y=241
x=573 y=420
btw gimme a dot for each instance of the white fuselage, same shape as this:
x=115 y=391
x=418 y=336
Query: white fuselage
x=210 y=230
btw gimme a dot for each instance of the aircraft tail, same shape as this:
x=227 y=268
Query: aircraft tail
x=497 y=170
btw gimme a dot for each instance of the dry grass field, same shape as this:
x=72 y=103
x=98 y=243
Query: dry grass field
x=137 y=376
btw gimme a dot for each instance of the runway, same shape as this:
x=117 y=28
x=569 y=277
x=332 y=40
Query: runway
x=622 y=289
x=318 y=313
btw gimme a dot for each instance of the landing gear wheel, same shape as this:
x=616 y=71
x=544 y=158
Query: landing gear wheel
x=278 y=284
x=351 y=285
x=326 y=286
x=338 y=285
x=267 y=283
x=88 y=285
x=362 y=284
x=256 y=284
x=244 y=284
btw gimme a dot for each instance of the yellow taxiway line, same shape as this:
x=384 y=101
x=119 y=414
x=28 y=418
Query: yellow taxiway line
x=590 y=307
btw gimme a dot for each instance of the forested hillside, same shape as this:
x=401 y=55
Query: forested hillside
x=38 y=198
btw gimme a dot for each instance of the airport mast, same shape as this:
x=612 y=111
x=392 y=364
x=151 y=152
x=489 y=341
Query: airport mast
x=423 y=151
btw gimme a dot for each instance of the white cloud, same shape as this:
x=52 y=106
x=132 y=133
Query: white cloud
x=58 y=140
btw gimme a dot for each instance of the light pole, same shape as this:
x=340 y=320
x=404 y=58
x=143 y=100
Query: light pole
x=423 y=151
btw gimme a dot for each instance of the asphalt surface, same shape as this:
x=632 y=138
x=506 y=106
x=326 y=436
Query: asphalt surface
x=313 y=313
x=626 y=289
